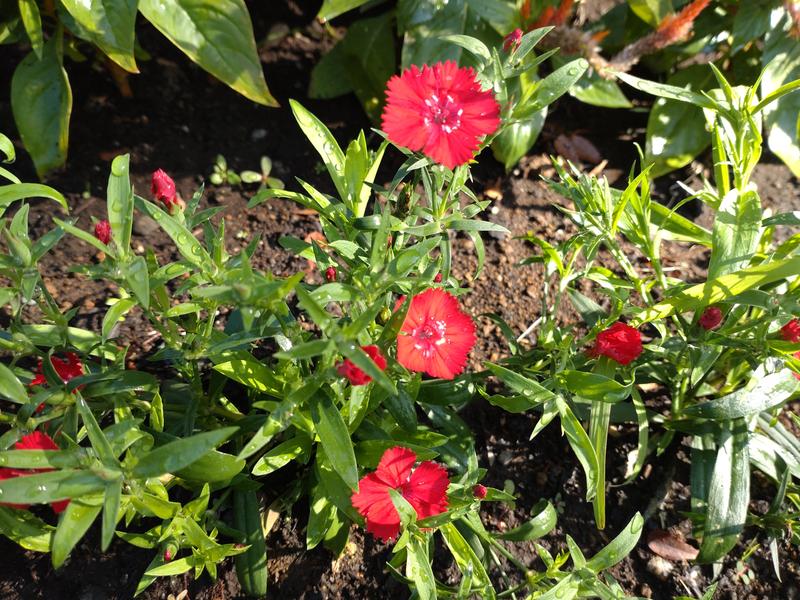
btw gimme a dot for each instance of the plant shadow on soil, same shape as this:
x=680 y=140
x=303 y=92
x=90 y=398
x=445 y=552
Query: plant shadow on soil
x=179 y=119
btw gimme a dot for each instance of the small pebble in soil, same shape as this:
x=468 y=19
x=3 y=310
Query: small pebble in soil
x=660 y=567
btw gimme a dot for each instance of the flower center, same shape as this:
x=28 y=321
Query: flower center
x=429 y=335
x=445 y=113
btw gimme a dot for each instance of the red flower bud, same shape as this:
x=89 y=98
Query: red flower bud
x=163 y=189
x=620 y=342
x=330 y=274
x=438 y=278
x=512 y=41
x=791 y=331
x=167 y=555
x=711 y=318
x=479 y=491
x=102 y=231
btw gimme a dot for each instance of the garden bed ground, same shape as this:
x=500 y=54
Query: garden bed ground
x=179 y=119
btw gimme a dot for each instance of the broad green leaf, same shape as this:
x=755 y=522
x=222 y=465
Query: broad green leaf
x=619 y=547
x=186 y=243
x=419 y=568
x=552 y=87
x=676 y=132
x=83 y=235
x=334 y=8
x=765 y=390
x=736 y=233
x=594 y=386
x=467 y=561
x=72 y=526
x=500 y=14
x=218 y=36
x=324 y=143
x=50 y=486
x=581 y=445
x=174 y=456
x=138 y=279
x=651 y=12
x=593 y=89
x=718 y=290
x=321 y=515
x=10 y=387
x=115 y=314
x=41 y=101
x=20 y=191
x=540 y=525
x=32 y=21
x=251 y=565
x=109 y=25
x=282 y=454
x=250 y=372
x=781 y=61
x=25 y=529
x=335 y=438
x=119 y=203
x=728 y=493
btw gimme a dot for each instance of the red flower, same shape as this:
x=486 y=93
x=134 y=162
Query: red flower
x=711 y=318
x=356 y=375
x=512 y=41
x=330 y=274
x=791 y=331
x=440 y=110
x=619 y=342
x=163 y=189
x=479 y=491
x=33 y=441
x=102 y=231
x=425 y=489
x=436 y=336
x=67 y=369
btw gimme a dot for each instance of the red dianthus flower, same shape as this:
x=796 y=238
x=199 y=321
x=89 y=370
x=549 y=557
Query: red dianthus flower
x=67 y=368
x=356 y=375
x=620 y=342
x=441 y=110
x=436 y=336
x=163 y=189
x=425 y=488
x=791 y=331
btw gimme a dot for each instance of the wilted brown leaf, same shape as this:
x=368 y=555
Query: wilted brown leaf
x=669 y=545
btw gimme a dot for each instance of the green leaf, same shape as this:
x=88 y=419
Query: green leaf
x=32 y=21
x=651 y=12
x=721 y=288
x=619 y=547
x=419 y=568
x=594 y=386
x=728 y=493
x=119 y=203
x=111 y=504
x=521 y=384
x=114 y=314
x=321 y=516
x=676 y=132
x=41 y=101
x=10 y=387
x=20 y=191
x=282 y=454
x=218 y=36
x=781 y=62
x=540 y=525
x=765 y=390
x=593 y=89
x=581 y=444
x=138 y=279
x=96 y=437
x=334 y=8
x=664 y=90
x=51 y=486
x=174 y=456
x=72 y=526
x=25 y=529
x=466 y=559
x=324 y=143
x=250 y=372
x=555 y=85
x=251 y=565
x=335 y=438
x=186 y=243
x=736 y=233
x=109 y=25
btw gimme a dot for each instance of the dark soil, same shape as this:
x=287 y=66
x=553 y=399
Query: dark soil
x=179 y=119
